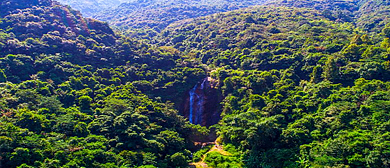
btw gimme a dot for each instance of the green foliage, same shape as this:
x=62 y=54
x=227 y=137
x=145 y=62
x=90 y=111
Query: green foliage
x=299 y=87
x=386 y=31
x=331 y=71
x=3 y=77
x=158 y=14
x=198 y=155
x=217 y=160
x=179 y=160
x=85 y=102
x=368 y=15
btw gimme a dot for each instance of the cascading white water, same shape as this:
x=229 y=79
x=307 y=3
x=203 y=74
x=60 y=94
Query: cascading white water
x=192 y=94
x=196 y=103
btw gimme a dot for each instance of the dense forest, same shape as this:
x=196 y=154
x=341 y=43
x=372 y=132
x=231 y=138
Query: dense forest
x=153 y=14
x=89 y=8
x=292 y=83
x=157 y=14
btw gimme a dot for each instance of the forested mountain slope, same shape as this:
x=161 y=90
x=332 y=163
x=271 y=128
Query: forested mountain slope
x=52 y=28
x=300 y=89
x=158 y=14
x=67 y=98
x=300 y=86
x=90 y=8
x=370 y=15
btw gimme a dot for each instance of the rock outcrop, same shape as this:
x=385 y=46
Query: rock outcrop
x=202 y=103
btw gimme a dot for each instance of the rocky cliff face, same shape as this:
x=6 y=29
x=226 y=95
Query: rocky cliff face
x=202 y=103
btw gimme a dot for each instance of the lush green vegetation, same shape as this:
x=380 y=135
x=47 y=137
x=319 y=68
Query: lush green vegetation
x=370 y=15
x=157 y=14
x=301 y=87
x=295 y=85
x=89 y=8
x=70 y=94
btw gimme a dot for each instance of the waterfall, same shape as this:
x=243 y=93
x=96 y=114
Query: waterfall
x=192 y=94
x=201 y=104
x=197 y=103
